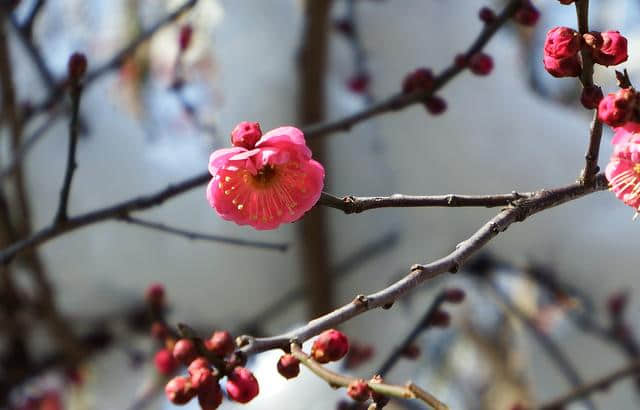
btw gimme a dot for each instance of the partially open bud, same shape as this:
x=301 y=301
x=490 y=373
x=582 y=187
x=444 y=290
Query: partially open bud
x=617 y=108
x=561 y=42
x=359 y=390
x=246 y=134
x=220 y=343
x=179 y=391
x=288 y=366
x=330 y=346
x=611 y=49
x=242 y=385
x=184 y=351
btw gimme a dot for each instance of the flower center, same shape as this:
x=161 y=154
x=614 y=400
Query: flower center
x=265 y=176
x=636 y=168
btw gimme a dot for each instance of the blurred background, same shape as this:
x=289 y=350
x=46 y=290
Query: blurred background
x=153 y=118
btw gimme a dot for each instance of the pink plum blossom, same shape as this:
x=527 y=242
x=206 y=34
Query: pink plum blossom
x=623 y=170
x=264 y=185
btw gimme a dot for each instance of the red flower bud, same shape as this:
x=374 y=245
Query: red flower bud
x=563 y=67
x=203 y=379
x=155 y=294
x=591 y=97
x=242 y=385
x=440 y=318
x=561 y=42
x=77 y=66
x=198 y=364
x=481 y=64
x=246 y=134
x=487 y=15
x=435 y=105
x=420 y=79
x=617 y=302
x=164 y=361
x=527 y=14
x=330 y=346
x=179 y=391
x=566 y=1
x=359 y=390
x=359 y=82
x=184 y=39
x=184 y=351
x=358 y=354
x=411 y=352
x=611 y=49
x=211 y=397
x=616 y=109
x=288 y=366
x=454 y=295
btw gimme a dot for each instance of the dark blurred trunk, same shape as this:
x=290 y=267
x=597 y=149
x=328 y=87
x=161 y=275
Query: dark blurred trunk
x=312 y=68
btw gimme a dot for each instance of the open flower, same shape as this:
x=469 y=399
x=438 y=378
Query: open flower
x=623 y=170
x=263 y=185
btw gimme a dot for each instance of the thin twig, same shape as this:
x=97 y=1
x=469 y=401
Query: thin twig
x=418 y=274
x=76 y=93
x=410 y=391
x=356 y=204
x=587 y=389
x=203 y=236
x=29 y=21
x=400 y=100
x=102 y=214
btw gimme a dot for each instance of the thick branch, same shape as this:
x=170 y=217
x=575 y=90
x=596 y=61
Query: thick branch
x=585 y=390
x=356 y=204
x=203 y=236
x=418 y=274
x=400 y=100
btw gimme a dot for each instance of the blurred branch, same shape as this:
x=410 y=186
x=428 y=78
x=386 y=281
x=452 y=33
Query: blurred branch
x=29 y=21
x=422 y=325
x=202 y=236
x=559 y=358
x=521 y=210
x=587 y=389
x=347 y=266
x=56 y=95
x=401 y=100
x=354 y=204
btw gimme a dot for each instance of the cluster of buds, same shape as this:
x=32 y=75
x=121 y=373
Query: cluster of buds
x=562 y=46
x=422 y=79
x=527 y=14
x=206 y=364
